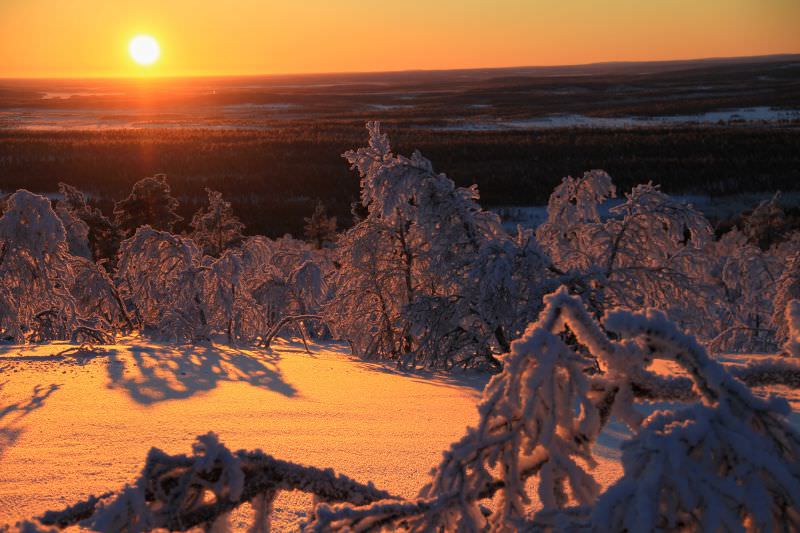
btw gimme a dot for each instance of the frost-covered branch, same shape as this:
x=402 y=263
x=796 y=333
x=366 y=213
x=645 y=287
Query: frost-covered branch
x=179 y=492
x=297 y=319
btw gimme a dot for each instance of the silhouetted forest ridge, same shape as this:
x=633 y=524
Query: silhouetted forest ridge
x=273 y=178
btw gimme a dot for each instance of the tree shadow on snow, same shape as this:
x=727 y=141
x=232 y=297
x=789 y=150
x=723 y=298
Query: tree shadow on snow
x=74 y=355
x=13 y=413
x=157 y=373
x=461 y=379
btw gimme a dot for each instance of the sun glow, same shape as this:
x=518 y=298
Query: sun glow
x=144 y=49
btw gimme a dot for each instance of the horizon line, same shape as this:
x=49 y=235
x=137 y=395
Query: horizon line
x=400 y=71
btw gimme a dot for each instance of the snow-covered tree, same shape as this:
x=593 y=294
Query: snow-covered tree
x=149 y=203
x=230 y=292
x=102 y=235
x=746 y=277
x=788 y=289
x=77 y=233
x=294 y=282
x=363 y=310
x=319 y=228
x=214 y=227
x=97 y=300
x=767 y=224
x=35 y=273
x=648 y=251
x=406 y=287
x=729 y=463
x=220 y=281
x=506 y=284
x=757 y=272
x=158 y=275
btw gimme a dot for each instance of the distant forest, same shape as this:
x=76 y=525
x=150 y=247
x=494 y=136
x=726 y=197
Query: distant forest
x=275 y=177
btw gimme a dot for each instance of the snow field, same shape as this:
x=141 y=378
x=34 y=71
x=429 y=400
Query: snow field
x=92 y=431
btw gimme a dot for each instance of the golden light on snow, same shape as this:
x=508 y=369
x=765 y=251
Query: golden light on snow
x=90 y=432
x=144 y=49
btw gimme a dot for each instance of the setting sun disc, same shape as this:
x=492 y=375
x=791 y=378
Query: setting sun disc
x=144 y=49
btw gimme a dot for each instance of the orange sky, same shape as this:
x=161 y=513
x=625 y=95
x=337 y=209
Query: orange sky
x=41 y=38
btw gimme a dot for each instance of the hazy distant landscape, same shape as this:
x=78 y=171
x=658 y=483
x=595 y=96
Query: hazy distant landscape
x=272 y=144
x=673 y=91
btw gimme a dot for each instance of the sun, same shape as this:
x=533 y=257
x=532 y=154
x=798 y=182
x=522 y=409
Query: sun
x=144 y=49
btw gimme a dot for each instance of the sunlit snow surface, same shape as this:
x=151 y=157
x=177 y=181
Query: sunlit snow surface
x=72 y=425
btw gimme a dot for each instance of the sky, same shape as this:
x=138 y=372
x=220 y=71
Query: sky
x=88 y=38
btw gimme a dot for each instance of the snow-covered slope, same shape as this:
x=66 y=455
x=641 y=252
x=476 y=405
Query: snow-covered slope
x=72 y=425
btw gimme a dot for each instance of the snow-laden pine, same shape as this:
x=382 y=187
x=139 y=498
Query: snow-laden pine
x=215 y=228
x=320 y=228
x=149 y=203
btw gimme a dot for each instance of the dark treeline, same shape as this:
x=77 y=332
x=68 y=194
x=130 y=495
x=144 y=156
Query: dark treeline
x=274 y=177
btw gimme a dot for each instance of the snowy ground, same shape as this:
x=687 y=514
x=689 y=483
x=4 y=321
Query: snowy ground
x=73 y=425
